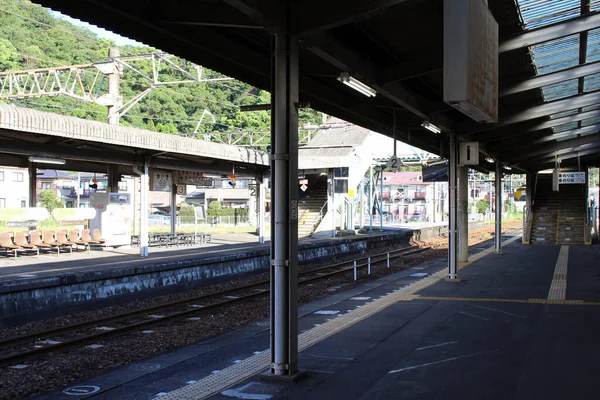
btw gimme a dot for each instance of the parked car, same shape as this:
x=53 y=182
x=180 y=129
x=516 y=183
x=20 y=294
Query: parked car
x=158 y=219
x=415 y=217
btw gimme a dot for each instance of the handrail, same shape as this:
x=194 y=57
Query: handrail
x=527 y=223
x=586 y=227
x=318 y=217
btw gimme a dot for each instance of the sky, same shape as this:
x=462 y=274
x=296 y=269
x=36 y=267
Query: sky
x=103 y=33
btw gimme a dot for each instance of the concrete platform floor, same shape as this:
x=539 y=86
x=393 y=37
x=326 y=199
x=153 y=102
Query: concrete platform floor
x=502 y=334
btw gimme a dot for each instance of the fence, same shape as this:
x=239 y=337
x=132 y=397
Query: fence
x=212 y=221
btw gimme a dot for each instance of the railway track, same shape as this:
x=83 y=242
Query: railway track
x=27 y=347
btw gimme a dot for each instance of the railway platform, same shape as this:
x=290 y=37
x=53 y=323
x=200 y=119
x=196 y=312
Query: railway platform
x=59 y=284
x=522 y=325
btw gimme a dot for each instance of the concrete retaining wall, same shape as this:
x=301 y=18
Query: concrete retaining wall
x=442 y=230
x=25 y=300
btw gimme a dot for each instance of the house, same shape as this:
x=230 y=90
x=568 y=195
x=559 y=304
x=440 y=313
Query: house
x=14 y=184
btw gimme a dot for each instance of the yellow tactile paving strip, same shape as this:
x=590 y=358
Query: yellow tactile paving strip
x=558 y=288
x=241 y=371
x=499 y=300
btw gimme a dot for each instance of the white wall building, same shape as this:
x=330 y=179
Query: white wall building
x=14 y=184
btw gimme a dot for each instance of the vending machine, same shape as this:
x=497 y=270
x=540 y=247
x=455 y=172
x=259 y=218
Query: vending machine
x=114 y=215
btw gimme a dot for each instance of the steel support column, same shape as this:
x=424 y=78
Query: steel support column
x=284 y=208
x=331 y=199
x=463 y=214
x=144 y=195
x=173 y=208
x=114 y=80
x=262 y=195
x=32 y=170
x=452 y=221
x=498 y=184
x=112 y=178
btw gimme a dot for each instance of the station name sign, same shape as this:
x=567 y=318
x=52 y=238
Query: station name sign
x=192 y=178
x=571 y=178
x=162 y=181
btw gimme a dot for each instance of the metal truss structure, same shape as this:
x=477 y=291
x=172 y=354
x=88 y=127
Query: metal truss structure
x=254 y=139
x=89 y=82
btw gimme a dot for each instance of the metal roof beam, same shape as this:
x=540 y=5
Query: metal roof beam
x=334 y=52
x=566 y=154
x=314 y=16
x=548 y=161
x=551 y=32
x=549 y=148
x=539 y=81
x=526 y=127
x=554 y=107
x=467 y=128
x=407 y=70
x=542 y=137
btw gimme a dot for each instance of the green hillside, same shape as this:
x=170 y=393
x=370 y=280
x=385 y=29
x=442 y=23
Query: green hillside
x=31 y=37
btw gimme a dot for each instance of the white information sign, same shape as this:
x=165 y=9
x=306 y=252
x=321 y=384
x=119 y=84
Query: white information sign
x=393 y=164
x=161 y=181
x=571 y=178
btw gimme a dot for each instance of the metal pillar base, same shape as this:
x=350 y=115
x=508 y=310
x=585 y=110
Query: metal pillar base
x=269 y=377
x=456 y=279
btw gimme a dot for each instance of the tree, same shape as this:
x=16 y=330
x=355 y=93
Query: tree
x=50 y=200
x=214 y=205
x=8 y=56
x=482 y=206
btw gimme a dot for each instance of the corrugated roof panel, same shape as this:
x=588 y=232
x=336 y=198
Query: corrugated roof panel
x=538 y=13
x=560 y=90
x=591 y=82
x=565 y=127
x=590 y=121
x=562 y=53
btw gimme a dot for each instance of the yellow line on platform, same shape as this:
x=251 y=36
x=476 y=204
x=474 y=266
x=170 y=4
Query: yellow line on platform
x=498 y=300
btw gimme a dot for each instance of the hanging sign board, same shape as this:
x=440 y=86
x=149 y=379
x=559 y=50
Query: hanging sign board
x=471 y=59
x=192 y=178
x=161 y=181
x=571 y=178
x=469 y=153
x=393 y=164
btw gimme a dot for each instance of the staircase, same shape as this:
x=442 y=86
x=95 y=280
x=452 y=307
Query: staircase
x=311 y=205
x=558 y=217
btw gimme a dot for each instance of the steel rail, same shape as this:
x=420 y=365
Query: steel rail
x=118 y=331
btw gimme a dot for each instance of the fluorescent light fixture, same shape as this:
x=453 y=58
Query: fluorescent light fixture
x=431 y=127
x=490 y=160
x=357 y=85
x=44 y=160
x=506 y=167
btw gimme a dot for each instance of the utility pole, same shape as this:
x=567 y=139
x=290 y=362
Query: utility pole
x=114 y=81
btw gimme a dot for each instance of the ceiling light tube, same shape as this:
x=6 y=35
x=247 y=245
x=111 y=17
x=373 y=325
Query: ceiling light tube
x=431 y=127
x=43 y=160
x=357 y=85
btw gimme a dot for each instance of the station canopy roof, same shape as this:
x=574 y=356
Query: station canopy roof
x=549 y=64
